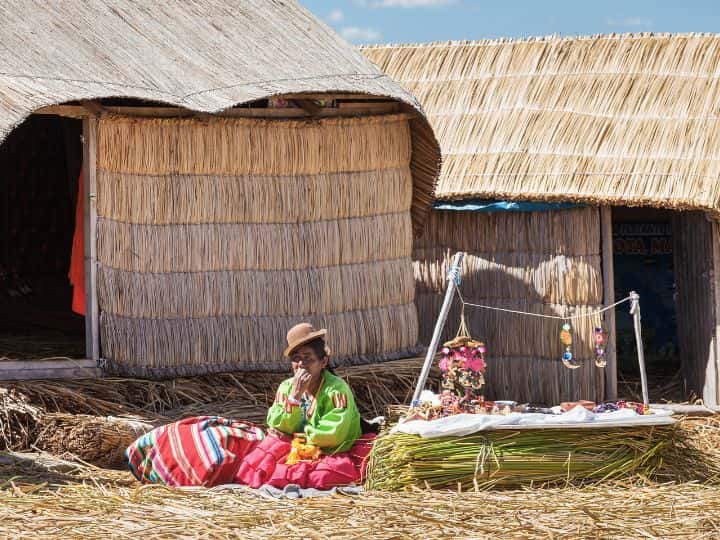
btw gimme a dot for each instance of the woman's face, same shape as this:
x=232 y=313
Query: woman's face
x=306 y=358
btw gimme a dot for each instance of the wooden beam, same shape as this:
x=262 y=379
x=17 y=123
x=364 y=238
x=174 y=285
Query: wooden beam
x=68 y=111
x=344 y=109
x=153 y=112
x=357 y=109
x=608 y=270
x=48 y=369
x=335 y=96
x=92 y=312
x=93 y=107
x=363 y=107
x=309 y=106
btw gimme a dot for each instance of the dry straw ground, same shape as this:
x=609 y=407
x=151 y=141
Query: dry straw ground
x=101 y=504
x=48 y=497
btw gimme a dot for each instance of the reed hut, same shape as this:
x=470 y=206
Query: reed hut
x=605 y=132
x=243 y=169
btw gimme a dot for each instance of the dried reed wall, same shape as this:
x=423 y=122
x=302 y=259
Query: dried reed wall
x=696 y=290
x=539 y=262
x=215 y=236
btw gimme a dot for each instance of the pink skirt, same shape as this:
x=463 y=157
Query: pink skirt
x=266 y=465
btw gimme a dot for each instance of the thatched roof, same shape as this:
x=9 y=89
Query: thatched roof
x=617 y=119
x=205 y=55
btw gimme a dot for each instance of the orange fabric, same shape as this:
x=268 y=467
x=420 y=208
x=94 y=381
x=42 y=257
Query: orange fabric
x=77 y=256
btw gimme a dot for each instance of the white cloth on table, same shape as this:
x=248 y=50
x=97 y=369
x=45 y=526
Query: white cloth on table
x=579 y=417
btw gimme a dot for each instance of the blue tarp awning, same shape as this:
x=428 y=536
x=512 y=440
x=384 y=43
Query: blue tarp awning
x=482 y=205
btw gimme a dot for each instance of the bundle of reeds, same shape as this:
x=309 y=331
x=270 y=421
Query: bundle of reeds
x=95 y=420
x=210 y=247
x=18 y=419
x=180 y=198
x=239 y=409
x=248 y=146
x=245 y=396
x=93 y=439
x=518 y=457
x=216 y=236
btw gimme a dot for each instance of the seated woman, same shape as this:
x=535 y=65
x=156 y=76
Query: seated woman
x=314 y=437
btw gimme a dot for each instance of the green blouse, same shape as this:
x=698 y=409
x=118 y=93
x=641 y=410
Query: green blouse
x=333 y=419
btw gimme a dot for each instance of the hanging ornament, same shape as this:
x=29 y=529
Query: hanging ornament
x=565 y=335
x=462 y=366
x=566 y=339
x=600 y=343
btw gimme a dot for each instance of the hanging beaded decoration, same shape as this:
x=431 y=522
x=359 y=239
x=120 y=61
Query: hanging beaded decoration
x=462 y=366
x=566 y=339
x=600 y=343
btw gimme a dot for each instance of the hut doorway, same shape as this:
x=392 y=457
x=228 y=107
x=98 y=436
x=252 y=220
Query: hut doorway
x=39 y=166
x=668 y=258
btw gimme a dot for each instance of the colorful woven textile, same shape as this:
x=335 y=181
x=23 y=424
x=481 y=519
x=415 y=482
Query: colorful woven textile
x=196 y=451
x=210 y=450
x=77 y=255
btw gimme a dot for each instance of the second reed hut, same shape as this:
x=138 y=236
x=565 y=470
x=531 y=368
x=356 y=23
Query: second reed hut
x=616 y=138
x=243 y=169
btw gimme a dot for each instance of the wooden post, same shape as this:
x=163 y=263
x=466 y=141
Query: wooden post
x=92 y=320
x=637 y=325
x=608 y=270
x=454 y=279
x=710 y=390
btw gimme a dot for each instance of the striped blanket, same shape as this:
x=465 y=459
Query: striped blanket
x=197 y=451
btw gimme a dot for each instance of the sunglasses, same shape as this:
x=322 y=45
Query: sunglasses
x=303 y=359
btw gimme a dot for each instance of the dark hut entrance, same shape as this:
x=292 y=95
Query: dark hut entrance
x=39 y=166
x=666 y=256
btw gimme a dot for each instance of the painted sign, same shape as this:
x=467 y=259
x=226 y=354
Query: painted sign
x=643 y=258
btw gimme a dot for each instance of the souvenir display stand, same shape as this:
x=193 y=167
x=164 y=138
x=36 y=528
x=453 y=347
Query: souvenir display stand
x=456 y=439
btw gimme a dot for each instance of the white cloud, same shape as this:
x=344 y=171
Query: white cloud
x=355 y=34
x=411 y=3
x=636 y=22
x=336 y=15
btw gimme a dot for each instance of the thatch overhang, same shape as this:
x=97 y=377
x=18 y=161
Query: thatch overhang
x=608 y=120
x=205 y=56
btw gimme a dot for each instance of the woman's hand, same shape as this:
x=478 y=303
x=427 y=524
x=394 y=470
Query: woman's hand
x=301 y=383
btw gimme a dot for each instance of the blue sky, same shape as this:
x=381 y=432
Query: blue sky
x=409 y=21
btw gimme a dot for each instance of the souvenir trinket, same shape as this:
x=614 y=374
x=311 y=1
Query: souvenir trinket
x=462 y=366
x=600 y=342
x=567 y=340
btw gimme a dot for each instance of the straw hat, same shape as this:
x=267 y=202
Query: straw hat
x=300 y=334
